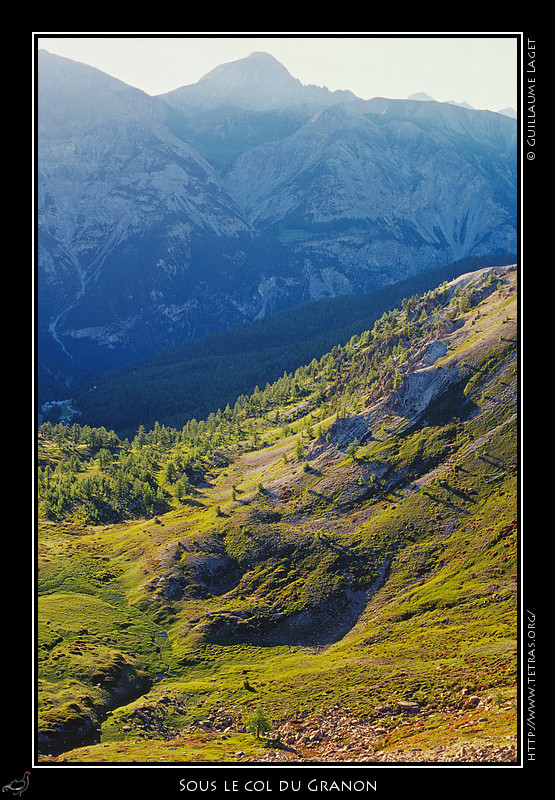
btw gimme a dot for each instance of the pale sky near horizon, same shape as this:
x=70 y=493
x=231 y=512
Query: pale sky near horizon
x=479 y=69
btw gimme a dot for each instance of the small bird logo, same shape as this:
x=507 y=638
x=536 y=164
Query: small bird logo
x=17 y=787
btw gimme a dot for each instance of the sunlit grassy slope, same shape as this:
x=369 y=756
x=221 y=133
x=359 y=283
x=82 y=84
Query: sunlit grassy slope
x=353 y=549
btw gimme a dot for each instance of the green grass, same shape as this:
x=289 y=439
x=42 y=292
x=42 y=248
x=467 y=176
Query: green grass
x=195 y=748
x=271 y=589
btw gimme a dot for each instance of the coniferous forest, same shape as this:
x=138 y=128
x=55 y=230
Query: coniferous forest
x=203 y=589
x=200 y=377
x=107 y=478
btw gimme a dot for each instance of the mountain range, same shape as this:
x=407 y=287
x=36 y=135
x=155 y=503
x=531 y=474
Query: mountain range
x=162 y=219
x=508 y=111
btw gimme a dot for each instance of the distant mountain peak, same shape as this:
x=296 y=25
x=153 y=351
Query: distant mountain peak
x=422 y=96
x=256 y=57
x=257 y=82
x=258 y=71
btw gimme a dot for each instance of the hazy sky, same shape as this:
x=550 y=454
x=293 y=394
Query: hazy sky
x=480 y=69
